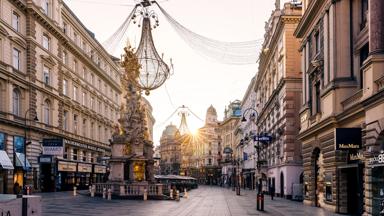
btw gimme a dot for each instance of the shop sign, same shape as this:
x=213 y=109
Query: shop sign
x=100 y=169
x=356 y=156
x=87 y=168
x=262 y=138
x=377 y=160
x=45 y=159
x=84 y=146
x=348 y=138
x=53 y=147
x=66 y=166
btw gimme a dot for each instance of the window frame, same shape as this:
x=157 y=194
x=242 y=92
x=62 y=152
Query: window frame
x=46 y=41
x=16 y=21
x=46 y=75
x=16 y=63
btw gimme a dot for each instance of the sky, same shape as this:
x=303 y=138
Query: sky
x=197 y=82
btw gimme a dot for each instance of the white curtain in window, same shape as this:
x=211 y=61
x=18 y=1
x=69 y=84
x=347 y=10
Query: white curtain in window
x=16 y=100
x=47 y=109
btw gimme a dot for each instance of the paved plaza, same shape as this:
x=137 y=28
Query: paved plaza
x=210 y=201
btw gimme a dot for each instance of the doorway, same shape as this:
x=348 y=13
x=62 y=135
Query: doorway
x=353 y=189
x=47 y=181
x=282 y=184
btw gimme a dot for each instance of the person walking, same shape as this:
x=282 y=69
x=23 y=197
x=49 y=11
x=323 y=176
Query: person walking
x=16 y=188
x=272 y=191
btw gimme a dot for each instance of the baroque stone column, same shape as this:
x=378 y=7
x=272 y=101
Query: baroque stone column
x=376 y=26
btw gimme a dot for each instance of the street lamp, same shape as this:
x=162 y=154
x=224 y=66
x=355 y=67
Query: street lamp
x=25 y=145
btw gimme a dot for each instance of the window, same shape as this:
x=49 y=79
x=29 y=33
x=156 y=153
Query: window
x=46 y=75
x=15 y=21
x=364 y=13
x=209 y=161
x=317 y=41
x=92 y=79
x=65 y=87
x=46 y=111
x=45 y=6
x=84 y=46
x=65 y=156
x=65 y=120
x=84 y=156
x=46 y=41
x=65 y=58
x=91 y=132
x=83 y=99
x=317 y=95
x=65 y=28
x=74 y=66
x=84 y=127
x=75 y=123
x=75 y=37
x=99 y=84
x=99 y=132
x=364 y=52
x=105 y=134
x=16 y=102
x=92 y=103
x=100 y=106
x=84 y=73
x=16 y=54
x=2 y=141
x=75 y=93
x=75 y=152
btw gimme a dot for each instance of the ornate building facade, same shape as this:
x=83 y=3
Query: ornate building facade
x=278 y=95
x=170 y=151
x=53 y=68
x=342 y=51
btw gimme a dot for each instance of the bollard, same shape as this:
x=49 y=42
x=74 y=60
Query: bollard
x=109 y=194
x=93 y=189
x=104 y=193
x=171 y=194
x=185 y=193
x=258 y=202
x=90 y=189
x=28 y=190
x=261 y=202
x=74 y=191
x=145 y=194
x=177 y=195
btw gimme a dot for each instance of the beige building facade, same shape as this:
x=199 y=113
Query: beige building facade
x=342 y=49
x=278 y=98
x=170 y=151
x=53 y=68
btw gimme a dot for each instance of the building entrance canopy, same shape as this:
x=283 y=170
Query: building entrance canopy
x=5 y=161
x=20 y=157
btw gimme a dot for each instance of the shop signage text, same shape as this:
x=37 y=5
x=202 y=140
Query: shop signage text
x=356 y=156
x=53 y=147
x=263 y=138
x=377 y=160
x=348 y=138
x=66 y=166
x=84 y=146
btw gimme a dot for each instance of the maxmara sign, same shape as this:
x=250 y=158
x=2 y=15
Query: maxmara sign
x=348 y=138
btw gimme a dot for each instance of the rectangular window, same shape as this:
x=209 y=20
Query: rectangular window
x=83 y=97
x=91 y=132
x=317 y=40
x=100 y=107
x=84 y=156
x=2 y=141
x=92 y=79
x=92 y=103
x=18 y=144
x=364 y=52
x=45 y=7
x=75 y=124
x=46 y=42
x=46 y=75
x=84 y=73
x=65 y=28
x=318 y=99
x=99 y=132
x=15 y=21
x=75 y=38
x=65 y=87
x=75 y=93
x=65 y=156
x=16 y=58
x=65 y=120
x=364 y=13
x=74 y=66
x=65 y=58
x=84 y=127
x=75 y=152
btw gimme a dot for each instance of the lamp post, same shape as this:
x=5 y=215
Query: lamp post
x=25 y=145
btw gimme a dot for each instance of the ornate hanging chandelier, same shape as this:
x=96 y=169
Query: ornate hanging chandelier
x=153 y=71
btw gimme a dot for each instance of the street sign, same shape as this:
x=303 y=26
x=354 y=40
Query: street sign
x=262 y=138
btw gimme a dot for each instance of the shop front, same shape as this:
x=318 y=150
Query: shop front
x=99 y=174
x=66 y=175
x=83 y=176
x=377 y=181
x=6 y=165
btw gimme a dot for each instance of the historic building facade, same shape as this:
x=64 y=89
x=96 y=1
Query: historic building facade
x=278 y=97
x=52 y=68
x=229 y=142
x=170 y=151
x=342 y=49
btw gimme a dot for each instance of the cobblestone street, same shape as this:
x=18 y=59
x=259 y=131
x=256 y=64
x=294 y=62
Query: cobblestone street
x=202 y=201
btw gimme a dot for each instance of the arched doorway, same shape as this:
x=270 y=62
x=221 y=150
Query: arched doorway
x=282 y=184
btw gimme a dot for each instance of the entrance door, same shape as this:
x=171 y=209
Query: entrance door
x=355 y=190
x=282 y=184
x=47 y=178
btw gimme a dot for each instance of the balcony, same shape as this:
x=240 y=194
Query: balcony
x=354 y=99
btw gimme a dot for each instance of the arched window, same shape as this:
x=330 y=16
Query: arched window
x=16 y=102
x=47 y=111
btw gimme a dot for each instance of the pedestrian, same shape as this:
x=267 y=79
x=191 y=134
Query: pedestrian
x=272 y=191
x=16 y=188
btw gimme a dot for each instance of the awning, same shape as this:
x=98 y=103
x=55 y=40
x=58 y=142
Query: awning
x=21 y=163
x=5 y=161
